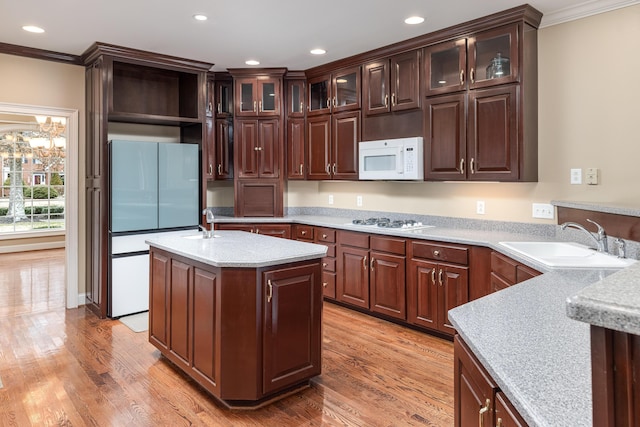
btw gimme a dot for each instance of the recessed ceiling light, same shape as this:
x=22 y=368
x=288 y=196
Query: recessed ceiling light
x=200 y=17
x=33 y=29
x=413 y=20
x=252 y=62
x=318 y=51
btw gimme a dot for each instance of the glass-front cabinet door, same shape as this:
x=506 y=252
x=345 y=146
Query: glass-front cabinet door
x=493 y=57
x=268 y=96
x=295 y=98
x=224 y=98
x=319 y=95
x=258 y=96
x=445 y=67
x=247 y=103
x=346 y=89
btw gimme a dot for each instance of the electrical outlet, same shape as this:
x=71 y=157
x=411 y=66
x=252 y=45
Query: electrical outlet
x=330 y=199
x=592 y=176
x=480 y=207
x=576 y=176
x=358 y=200
x=542 y=210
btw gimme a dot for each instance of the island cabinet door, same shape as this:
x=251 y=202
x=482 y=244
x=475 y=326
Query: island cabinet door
x=206 y=328
x=159 y=267
x=291 y=328
x=179 y=307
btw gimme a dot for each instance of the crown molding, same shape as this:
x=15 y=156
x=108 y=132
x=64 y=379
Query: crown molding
x=584 y=10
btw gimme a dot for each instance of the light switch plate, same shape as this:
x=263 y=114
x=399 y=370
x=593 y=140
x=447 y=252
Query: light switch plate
x=576 y=176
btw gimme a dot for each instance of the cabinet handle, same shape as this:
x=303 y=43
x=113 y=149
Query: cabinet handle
x=484 y=409
x=472 y=75
x=328 y=169
x=461 y=166
x=364 y=263
x=219 y=107
x=386 y=101
x=433 y=276
x=301 y=171
x=257 y=231
x=335 y=102
x=269 y=290
x=301 y=107
x=210 y=169
x=440 y=277
x=472 y=166
x=334 y=168
x=260 y=106
x=461 y=77
x=328 y=103
x=371 y=264
x=255 y=108
x=209 y=106
x=393 y=99
x=219 y=169
x=499 y=422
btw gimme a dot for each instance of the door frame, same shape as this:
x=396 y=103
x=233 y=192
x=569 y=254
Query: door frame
x=72 y=217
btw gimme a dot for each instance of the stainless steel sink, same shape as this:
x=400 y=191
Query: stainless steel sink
x=567 y=255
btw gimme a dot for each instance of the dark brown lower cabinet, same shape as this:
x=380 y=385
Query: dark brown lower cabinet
x=244 y=334
x=438 y=280
x=615 y=370
x=268 y=229
x=506 y=272
x=371 y=273
x=478 y=401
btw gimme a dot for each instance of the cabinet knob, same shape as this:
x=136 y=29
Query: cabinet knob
x=304 y=232
x=436 y=253
x=324 y=264
x=324 y=236
x=325 y=284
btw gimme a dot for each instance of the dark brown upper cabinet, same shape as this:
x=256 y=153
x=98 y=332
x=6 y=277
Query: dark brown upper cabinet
x=257 y=96
x=480 y=113
x=296 y=98
x=335 y=92
x=392 y=84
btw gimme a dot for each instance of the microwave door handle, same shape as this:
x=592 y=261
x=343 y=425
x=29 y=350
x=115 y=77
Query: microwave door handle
x=400 y=160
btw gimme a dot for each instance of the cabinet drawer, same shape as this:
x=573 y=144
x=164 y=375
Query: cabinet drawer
x=387 y=244
x=329 y=264
x=498 y=283
x=331 y=250
x=358 y=240
x=325 y=235
x=329 y=284
x=504 y=267
x=439 y=252
x=303 y=232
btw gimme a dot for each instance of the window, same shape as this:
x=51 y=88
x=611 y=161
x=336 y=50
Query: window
x=32 y=153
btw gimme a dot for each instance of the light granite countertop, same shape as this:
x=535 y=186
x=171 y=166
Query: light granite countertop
x=238 y=249
x=538 y=356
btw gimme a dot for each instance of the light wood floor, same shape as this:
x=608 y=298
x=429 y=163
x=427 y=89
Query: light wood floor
x=69 y=368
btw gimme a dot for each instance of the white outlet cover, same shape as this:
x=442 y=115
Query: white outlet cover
x=576 y=176
x=480 y=207
x=330 y=199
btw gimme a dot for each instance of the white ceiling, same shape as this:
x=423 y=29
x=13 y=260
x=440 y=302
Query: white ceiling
x=278 y=33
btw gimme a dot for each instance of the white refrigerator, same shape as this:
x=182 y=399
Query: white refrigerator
x=154 y=188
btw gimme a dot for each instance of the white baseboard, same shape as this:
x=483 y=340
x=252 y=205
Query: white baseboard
x=82 y=299
x=31 y=247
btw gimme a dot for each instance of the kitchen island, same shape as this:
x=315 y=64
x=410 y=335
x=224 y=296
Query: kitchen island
x=240 y=313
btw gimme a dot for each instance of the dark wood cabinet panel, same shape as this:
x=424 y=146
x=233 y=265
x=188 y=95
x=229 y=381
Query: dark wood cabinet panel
x=329 y=284
x=493 y=134
x=224 y=149
x=268 y=229
x=296 y=101
x=257 y=96
x=258 y=148
x=344 y=148
x=296 y=149
x=392 y=84
x=506 y=272
x=291 y=336
x=506 y=415
x=453 y=284
x=484 y=50
x=158 y=294
x=179 y=311
x=209 y=150
x=258 y=197
x=205 y=329
x=387 y=276
x=422 y=293
x=353 y=280
x=319 y=147
x=445 y=137
x=445 y=67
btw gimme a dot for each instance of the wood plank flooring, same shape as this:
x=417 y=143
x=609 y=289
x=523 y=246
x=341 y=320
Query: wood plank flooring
x=68 y=368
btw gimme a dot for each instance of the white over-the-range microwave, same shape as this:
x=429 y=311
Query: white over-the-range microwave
x=391 y=159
